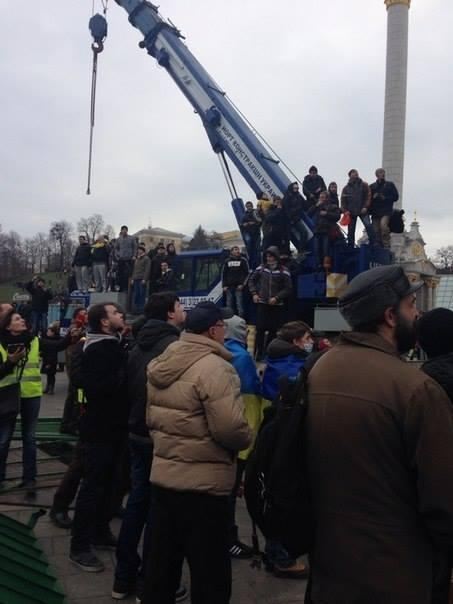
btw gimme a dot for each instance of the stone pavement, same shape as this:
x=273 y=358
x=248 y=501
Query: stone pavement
x=249 y=586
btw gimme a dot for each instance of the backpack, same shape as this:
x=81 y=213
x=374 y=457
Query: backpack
x=396 y=222
x=276 y=485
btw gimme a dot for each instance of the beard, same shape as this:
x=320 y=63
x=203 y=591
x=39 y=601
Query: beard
x=405 y=334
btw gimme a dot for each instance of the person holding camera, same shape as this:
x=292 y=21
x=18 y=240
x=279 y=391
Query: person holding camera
x=21 y=389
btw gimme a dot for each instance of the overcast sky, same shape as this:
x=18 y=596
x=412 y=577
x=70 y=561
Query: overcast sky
x=308 y=73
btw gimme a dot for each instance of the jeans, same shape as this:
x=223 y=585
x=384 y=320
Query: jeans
x=29 y=413
x=137 y=514
x=38 y=322
x=138 y=296
x=194 y=526
x=100 y=277
x=82 y=274
x=253 y=244
x=382 y=230
x=233 y=294
x=321 y=247
x=7 y=425
x=93 y=509
x=368 y=227
x=299 y=235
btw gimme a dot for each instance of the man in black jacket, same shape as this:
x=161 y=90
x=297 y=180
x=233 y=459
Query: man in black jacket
x=82 y=263
x=383 y=195
x=234 y=276
x=270 y=286
x=164 y=317
x=313 y=185
x=251 y=233
x=103 y=431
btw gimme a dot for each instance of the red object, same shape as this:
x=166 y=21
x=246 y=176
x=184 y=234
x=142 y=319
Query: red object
x=346 y=219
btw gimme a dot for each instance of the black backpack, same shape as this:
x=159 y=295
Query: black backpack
x=396 y=222
x=276 y=484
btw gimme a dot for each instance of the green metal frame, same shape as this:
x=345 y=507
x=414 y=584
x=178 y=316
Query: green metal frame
x=25 y=574
x=48 y=430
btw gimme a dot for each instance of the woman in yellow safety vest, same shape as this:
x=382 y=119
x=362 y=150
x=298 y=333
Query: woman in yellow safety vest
x=14 y=331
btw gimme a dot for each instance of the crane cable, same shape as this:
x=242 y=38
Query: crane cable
x=259 y=135
x=227 y=175
x=98 y=28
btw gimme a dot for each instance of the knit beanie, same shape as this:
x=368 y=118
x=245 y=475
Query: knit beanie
x=435 y=332
x=236 y=329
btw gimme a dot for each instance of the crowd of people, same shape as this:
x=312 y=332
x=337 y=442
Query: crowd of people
x=168 y=411
x=123 y=264
x=280 y=221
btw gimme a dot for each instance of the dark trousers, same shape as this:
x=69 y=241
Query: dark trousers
x=71 y=411
x=67 y=490
x=93 y=509
x=50 y=382
x=321 y=247
x=124 y=274
x=137 y=514
x=268 y=319
x=366 y=221
x=193 y=526
x=241 y=463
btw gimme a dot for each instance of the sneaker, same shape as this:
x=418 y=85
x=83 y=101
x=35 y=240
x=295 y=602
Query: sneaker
x=108 y=541
x=122 y=589
x=181 y=594
x=240 y=551
x=298 y=570
x=60 y=519
x=87 y=561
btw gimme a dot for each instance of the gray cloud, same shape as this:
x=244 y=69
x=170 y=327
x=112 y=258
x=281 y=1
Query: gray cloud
x=309 y=75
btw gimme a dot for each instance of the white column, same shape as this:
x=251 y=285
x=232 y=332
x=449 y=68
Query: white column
x=396 y=92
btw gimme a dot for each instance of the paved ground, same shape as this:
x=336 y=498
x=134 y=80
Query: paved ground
x=249 y=586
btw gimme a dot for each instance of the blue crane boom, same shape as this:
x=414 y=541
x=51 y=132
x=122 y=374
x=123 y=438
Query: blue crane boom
x=227 y=130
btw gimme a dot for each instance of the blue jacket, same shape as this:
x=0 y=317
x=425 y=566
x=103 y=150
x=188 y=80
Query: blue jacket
x=283 y=358
x=243 y=363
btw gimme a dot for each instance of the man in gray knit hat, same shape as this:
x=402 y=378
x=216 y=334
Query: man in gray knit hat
x=380 y=454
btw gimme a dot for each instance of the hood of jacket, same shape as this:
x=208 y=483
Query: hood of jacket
x=274 y=251
x=180 y=356
x=441 y=370
x=95 y=338
x=153 y=331
x=280 y=348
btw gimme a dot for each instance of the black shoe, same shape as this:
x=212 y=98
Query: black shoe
x=60 y=519
x=30 y=488
x=122 y=589
x=181 y=595
x=107 y=541
x=240 y=550
x=87 y=561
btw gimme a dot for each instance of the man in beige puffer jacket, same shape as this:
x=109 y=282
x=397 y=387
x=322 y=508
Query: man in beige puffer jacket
x=196 y=417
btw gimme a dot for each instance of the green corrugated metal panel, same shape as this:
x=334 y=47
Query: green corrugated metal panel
x=48 y=429
x=25 y=576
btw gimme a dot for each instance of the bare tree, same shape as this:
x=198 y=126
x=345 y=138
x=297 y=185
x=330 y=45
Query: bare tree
x=444 y=257
x=91 y=227
x=61 y=233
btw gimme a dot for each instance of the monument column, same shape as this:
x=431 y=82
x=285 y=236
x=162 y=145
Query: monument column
x=396 y=92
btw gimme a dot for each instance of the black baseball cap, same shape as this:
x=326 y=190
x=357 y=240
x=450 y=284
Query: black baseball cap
x=371 y=292
x=204 y=315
